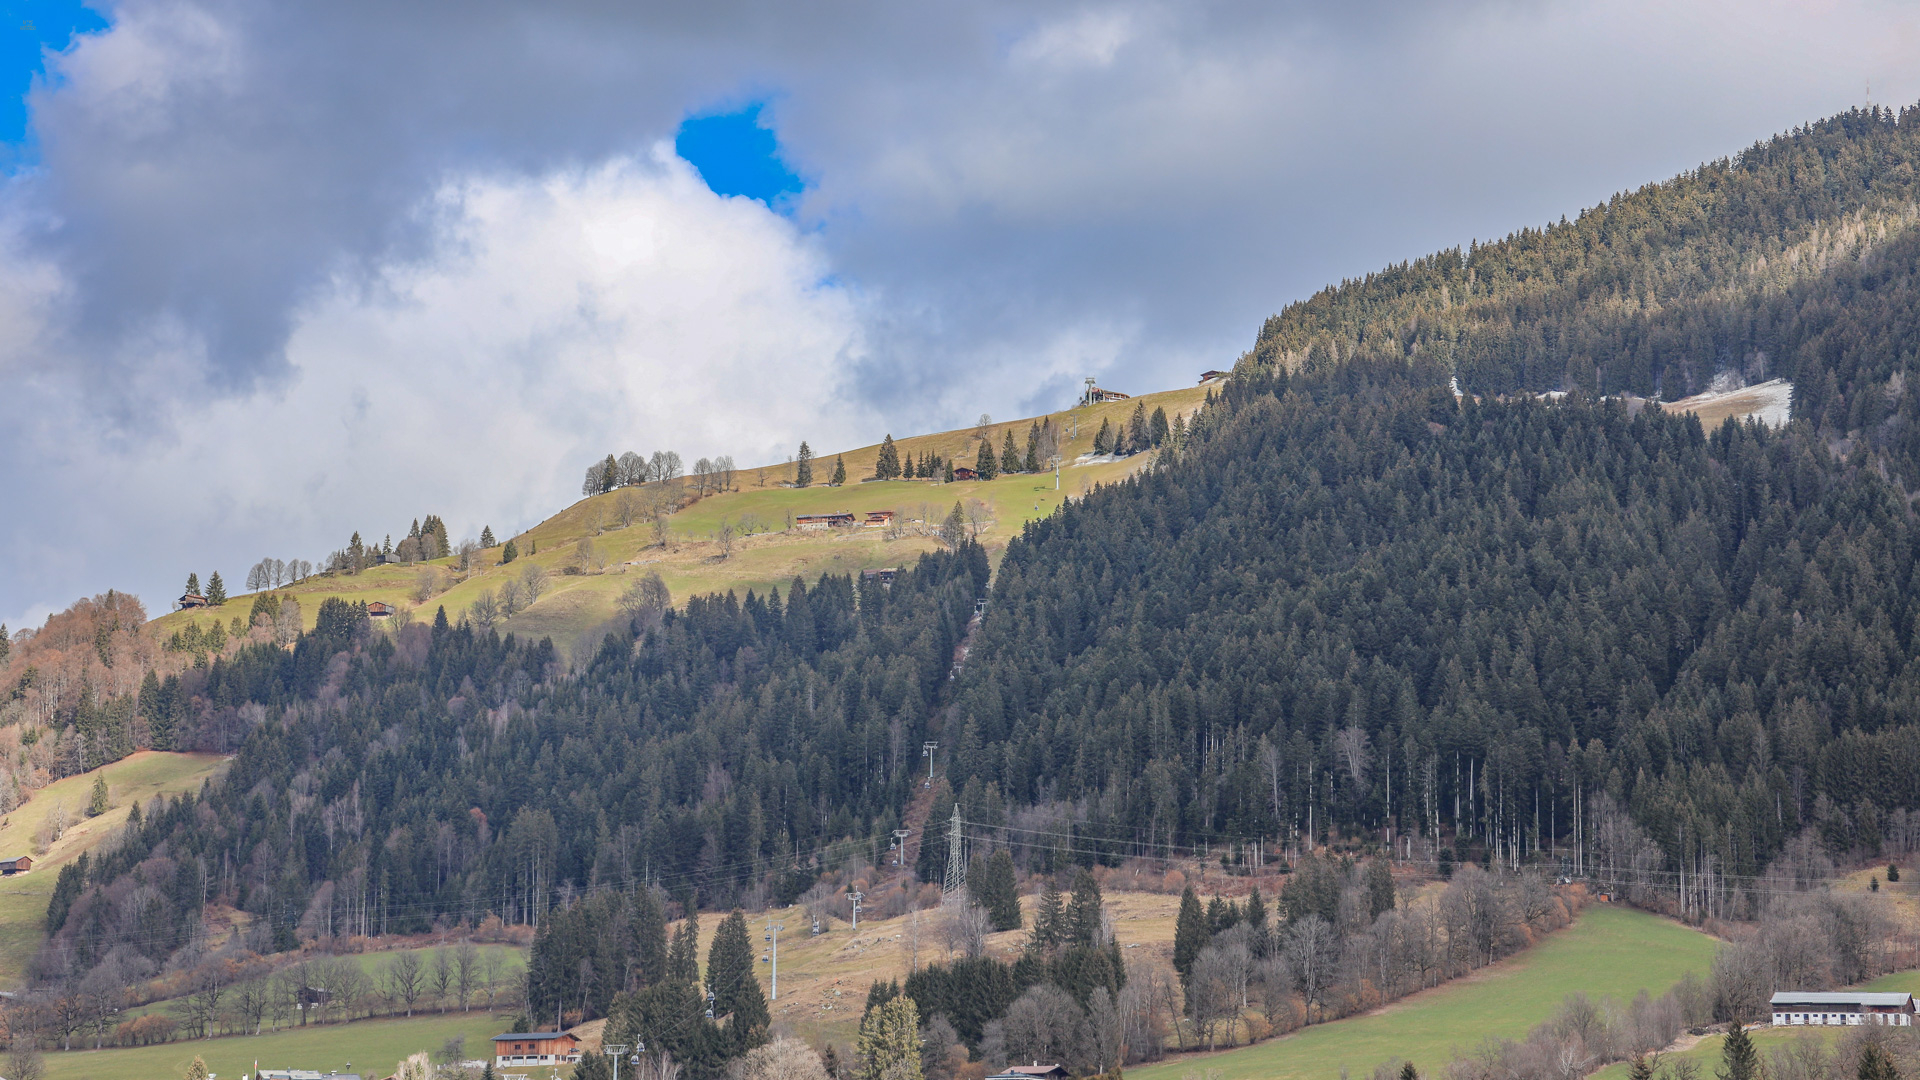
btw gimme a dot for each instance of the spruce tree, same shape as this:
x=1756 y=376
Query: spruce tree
x=1137 y=438
x=1032 y=462
x=1190 y=933
x=947 y=466
x=1876 y=1063
x=1256 y=917
x=890 y=1042
x=356 y=554
x=886 y=465
x=803 y=466
x=509 y=552
x=1010 y=460
x=1380 y=893
x=1085 y=912
x=609 y=474
x=1157 y=429
x=683 y=956
x=1103 y=439
x=98 y=804
x=731 y=980
x=839 y=471
x=1049 y=921
x=649 y=926
x=985 y=463
x=1408 y=1072
x=193 y=584
x=1742 y=1062
x=486 y=536
x=1001 y=894
x=216 y=590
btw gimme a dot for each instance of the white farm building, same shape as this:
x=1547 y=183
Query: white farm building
x=1793 y=1008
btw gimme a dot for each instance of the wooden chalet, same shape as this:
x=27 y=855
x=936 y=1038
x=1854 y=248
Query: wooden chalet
x=1210 y=375
x=21 y=865
x=189 y=600
x=884 y=575
x=379 y=610
x=823 y=521
x=535 y=1048
x=961 y=472
x=878 y=519
x=1847 y=1008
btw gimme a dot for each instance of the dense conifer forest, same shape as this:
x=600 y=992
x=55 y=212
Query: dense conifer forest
x=1349 y=602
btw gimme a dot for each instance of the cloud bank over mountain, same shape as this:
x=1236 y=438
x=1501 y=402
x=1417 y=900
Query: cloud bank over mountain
x=272 y=273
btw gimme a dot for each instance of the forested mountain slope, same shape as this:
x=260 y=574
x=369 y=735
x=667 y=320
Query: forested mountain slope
x=1793 y=259
x=1348 y=599
x=1355 y=589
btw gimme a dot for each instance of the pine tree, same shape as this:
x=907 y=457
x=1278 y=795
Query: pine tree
x=839 y=471
x=1103 y=439
x=1408 y=1072
x=649 y=951
x=890 y=1042
x=1876 y=1063
x=486 y=536
x=1380 y=894
x=803 y=467
x=1086 y=912
x=1742 y=1061
x=216 y=590
x=1049 y=921
x=1157 y=429
x=1190 y=933
x=886 y=466
x=1000 y=891
x=985 y=463
x=953 y=532
x=1256 y=917
x=948 y=467
x=356 y=554
x=1137 y=438
x=609 y=474
x=193 y=584
x=509 y=552
x=98 y=804
x=683 y=956
x=912 y=468
x=1010 y=460
x=731 y=980
x=1032 y=462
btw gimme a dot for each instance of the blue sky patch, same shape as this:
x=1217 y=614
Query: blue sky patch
x=27 y=28
x=737 y=154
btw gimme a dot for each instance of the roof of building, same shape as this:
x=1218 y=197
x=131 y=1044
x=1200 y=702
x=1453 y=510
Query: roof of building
x=534 y=1035
x=1036 y=1069
x=1844 y=997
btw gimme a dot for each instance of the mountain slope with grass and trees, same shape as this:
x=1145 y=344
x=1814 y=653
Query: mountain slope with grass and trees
x=1435 y=580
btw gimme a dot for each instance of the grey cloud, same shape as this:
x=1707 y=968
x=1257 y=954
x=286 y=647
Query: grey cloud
x=1018 y=192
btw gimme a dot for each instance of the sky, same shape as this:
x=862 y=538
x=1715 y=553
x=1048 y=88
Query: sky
x=274 y=273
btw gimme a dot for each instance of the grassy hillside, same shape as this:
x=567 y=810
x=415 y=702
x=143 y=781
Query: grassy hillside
x=767 y=556
x=1609 y=951
x=23 y=898
x=373 y=1046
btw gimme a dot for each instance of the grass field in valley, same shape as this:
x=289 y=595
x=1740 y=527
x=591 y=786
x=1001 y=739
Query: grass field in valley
x=373 y=1046
x=1609 y=952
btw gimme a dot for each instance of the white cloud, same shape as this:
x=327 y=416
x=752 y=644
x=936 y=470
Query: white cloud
x=556 y=319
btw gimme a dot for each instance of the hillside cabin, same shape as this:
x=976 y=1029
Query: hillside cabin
x=823 y=521
x=1095 y=395
x=189 y=600
x=879 y=519
x=884 y=575
x=1035 y=1071
x=535 y=1048
x=379 y=610
x=1794 y=1008
x=21 y=865
x=961 y=472
x=1209 y=376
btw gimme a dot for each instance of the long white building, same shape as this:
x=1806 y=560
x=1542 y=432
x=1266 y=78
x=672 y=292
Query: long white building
x=1797 y=1007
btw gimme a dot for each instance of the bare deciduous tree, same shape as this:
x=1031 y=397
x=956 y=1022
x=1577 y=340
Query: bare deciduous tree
x=401 y=979
x=486 y=610
x=724 y=536
x=534 y=580
x=512 y=597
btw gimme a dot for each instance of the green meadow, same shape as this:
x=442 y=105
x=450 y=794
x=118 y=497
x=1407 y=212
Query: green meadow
x=1609 y=952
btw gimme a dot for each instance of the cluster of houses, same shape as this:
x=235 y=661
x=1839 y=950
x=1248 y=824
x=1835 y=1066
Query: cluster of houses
x=1794 y=1008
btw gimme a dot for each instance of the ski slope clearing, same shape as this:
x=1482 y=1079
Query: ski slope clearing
x=1770 y=402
